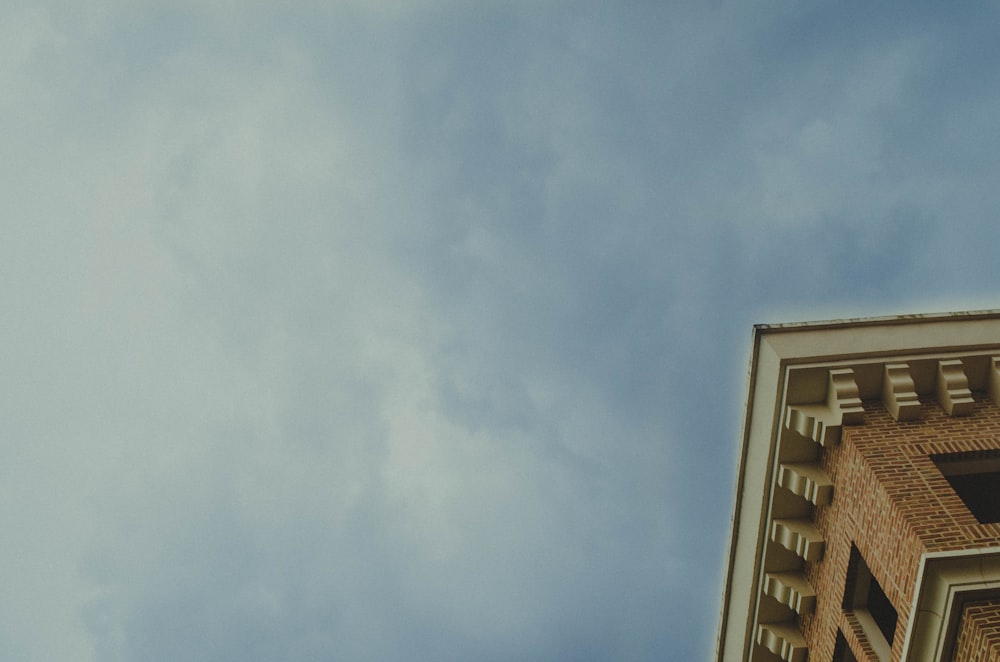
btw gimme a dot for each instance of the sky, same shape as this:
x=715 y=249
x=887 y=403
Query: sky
x=419 y=330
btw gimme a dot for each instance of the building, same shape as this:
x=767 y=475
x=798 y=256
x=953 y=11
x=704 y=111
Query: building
x=867 y=521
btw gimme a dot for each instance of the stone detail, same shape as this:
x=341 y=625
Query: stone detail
x=792 y=589
x=898 y=393
x=808 y=480
x=953 y=392
x=994 y=379
x=821 y=422
x=799 y=536
x=784 y=640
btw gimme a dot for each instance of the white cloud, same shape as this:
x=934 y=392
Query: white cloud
x=402 y=331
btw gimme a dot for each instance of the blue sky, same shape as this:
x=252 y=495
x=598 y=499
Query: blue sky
x=419 y=330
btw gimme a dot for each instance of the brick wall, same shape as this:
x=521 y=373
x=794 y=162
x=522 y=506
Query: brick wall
x=979 y=635
x=894 y=504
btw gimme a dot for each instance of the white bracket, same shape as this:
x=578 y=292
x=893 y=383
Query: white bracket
x=953 y=392
x=799 y=536
x=898 y=393
x=821 y=422
x=784 y=640
x=807 y=480
x=792 y=589
x=994 y=386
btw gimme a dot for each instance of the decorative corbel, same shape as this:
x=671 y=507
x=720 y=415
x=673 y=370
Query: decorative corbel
x=784 y=640
x=799 y=536
x=791 y=589
x=821 y=422
x=995 y=380
x=807 y=480
x=953 y=392
x=898 y=393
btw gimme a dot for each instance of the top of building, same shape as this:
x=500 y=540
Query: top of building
x=807 y=381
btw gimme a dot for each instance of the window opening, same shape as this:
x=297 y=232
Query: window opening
x=975 y=477
x=841 y=651
x=882 y=611
x=865 y=597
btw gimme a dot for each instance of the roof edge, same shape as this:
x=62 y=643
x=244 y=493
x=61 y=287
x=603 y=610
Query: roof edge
x=885 y=320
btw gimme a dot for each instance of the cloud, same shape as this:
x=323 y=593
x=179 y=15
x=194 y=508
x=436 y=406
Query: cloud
x=385 y=332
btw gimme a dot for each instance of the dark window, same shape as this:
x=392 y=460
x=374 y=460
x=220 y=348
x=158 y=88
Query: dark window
x=865 y=598
x=882 y=611
x=841 y=651
x=975 y=477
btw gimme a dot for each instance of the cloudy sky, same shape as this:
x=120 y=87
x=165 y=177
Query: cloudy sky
x=418 y=329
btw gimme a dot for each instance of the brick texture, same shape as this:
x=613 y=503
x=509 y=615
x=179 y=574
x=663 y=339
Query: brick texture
x=893 y=503
x=979 y=635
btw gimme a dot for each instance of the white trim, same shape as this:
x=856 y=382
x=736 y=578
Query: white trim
x=945 y=581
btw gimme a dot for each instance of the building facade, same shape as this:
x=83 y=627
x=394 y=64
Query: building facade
x=867 y=523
